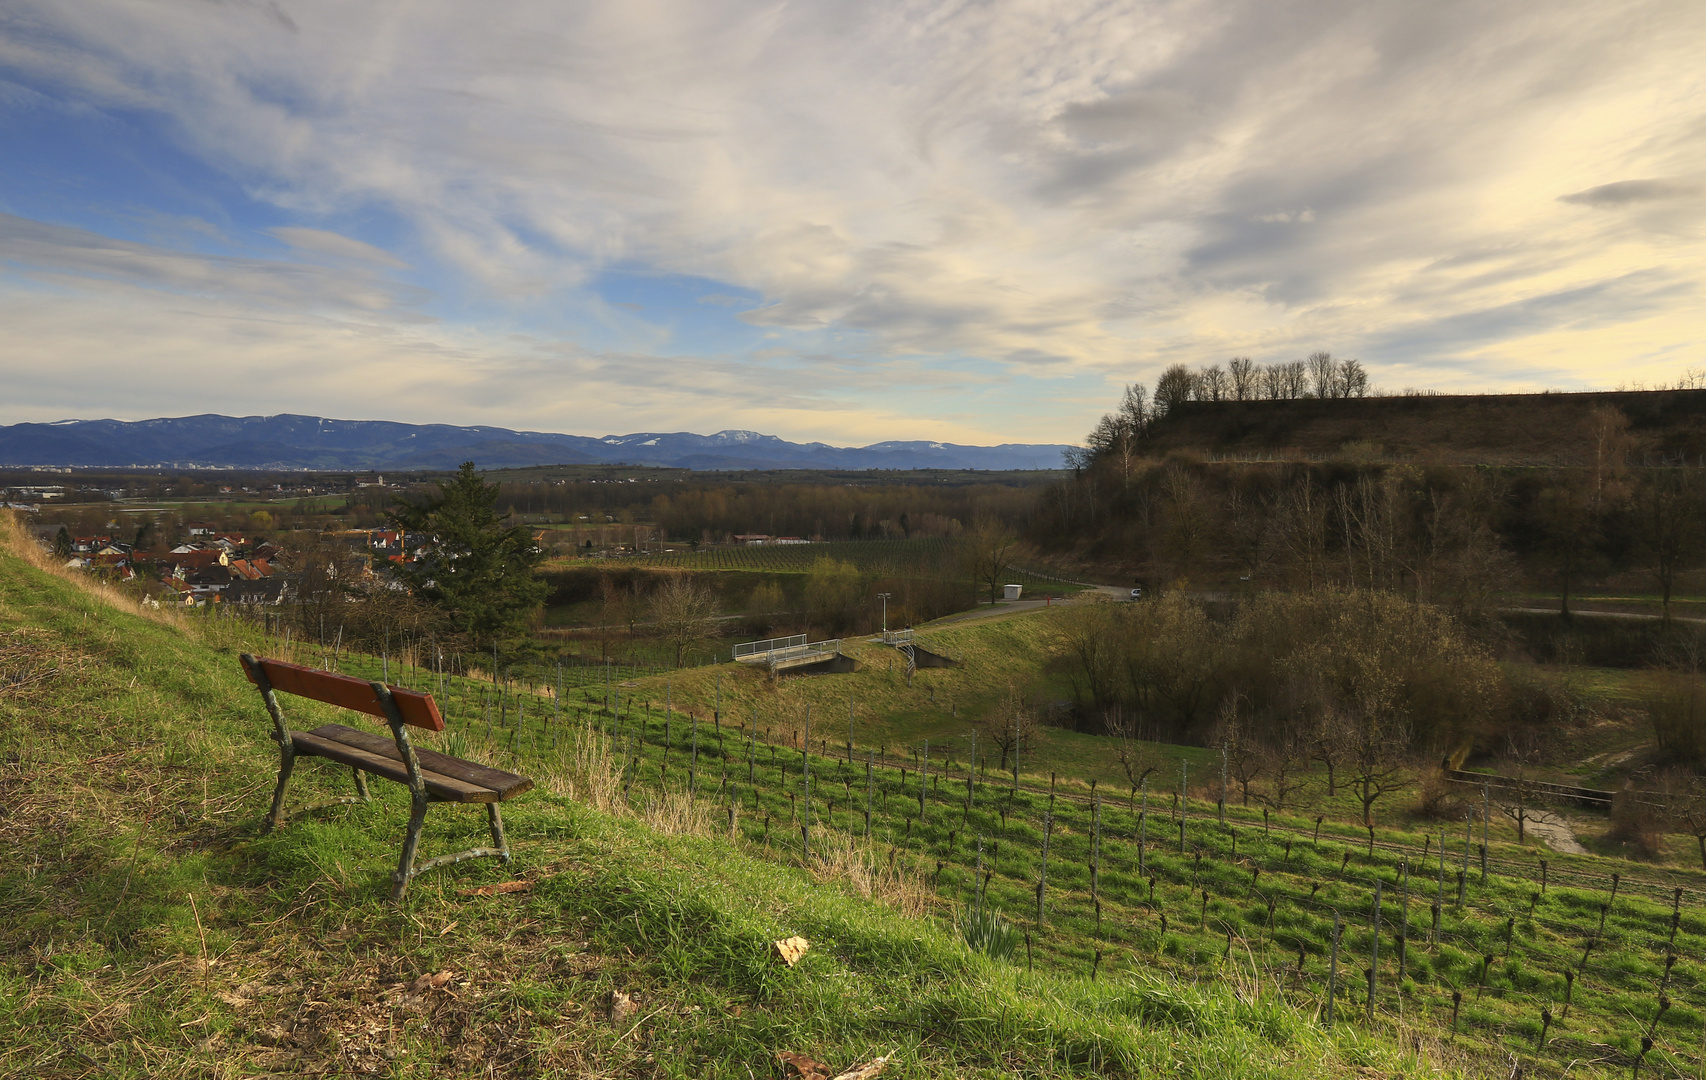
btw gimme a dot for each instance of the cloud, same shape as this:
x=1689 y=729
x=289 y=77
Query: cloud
x=976 y=197
x=330 y=243
x=69 y=256
x=1626 y=192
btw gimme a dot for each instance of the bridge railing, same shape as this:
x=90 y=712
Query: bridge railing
x=769 y=645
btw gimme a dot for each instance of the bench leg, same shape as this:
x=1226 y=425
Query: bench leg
x=361 y=784
x=286 y=763
x=411 y=841
x=494 y=818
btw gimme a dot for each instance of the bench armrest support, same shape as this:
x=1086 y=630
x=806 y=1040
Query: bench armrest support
x=258 y=675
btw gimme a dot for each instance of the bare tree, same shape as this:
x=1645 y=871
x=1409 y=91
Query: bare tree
x=1353 y=379
x=1245 y=758
x=682 y=611
x=1323 y=375
x=1294 y=380
x=987 y=551
x=1242 y=371
x=1011 y=725
x=1516 y=796
x=1287 y=764
x=1684 y=795
x=1671 y=511
x=1212 y=384
x=1138 y=755
x=1188 y=519
x=324 y=574
x=1327 y=745
x=1249 y=521
x=1302 y=531
x=1177 y=385
x=1377 y=758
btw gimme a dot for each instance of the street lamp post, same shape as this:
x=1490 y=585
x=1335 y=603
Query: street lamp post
x=884 y=597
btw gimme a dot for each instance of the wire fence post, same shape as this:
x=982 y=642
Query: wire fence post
x=806 y=773
x=1333 y=971
x=1374 y=952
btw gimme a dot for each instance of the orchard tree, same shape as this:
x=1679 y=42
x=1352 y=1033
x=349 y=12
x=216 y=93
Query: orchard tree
x=987 y=551
x=479 y=573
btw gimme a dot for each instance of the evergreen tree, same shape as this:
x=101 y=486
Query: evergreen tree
x=475 y=570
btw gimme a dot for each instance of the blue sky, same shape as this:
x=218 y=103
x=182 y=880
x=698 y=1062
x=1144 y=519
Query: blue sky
x=849 y=223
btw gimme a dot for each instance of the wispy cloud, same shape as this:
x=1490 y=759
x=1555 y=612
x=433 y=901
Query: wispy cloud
x=1012 y=204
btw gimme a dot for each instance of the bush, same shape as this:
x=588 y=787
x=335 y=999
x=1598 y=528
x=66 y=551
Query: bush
x=988 y=933
x=1437 y=798
x=1676 y=704
x=1635 y=824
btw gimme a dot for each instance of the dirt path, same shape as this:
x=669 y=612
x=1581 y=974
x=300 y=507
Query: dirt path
x=1553 y=829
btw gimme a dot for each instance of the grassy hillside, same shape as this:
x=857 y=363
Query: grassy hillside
x=1502 y=429
x=149 y=930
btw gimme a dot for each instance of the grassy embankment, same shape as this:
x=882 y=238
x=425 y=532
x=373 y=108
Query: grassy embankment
x=149 y=930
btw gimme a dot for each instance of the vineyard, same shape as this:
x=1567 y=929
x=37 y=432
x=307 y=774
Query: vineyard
x=930 y=558
x=1562 y=963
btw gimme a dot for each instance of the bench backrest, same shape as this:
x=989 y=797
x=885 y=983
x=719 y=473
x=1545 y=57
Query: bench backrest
x=417 y=709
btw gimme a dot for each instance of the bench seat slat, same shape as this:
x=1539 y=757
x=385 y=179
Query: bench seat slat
x=440 y=787
x=503 y=784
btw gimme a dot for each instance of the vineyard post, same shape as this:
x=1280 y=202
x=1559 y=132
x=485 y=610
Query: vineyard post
x=1404 y=920
x=1042 y=878
x=1223 y=781
x=1184 y=803
x=1333 y=971
x=1439 y=897
x=717 y=710
x=1486 y=809
x=1374 y=951
x=868 y=783
x=1143 y=825
x=923 y=779
x=1468 y=839
x=971 y=772
x=1096 y=852
x=1015 y=754
x=806 y=772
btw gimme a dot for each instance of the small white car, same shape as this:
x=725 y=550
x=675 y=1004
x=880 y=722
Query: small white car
x=1137 y=594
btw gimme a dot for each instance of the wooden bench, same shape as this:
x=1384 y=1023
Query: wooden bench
x=429 y=776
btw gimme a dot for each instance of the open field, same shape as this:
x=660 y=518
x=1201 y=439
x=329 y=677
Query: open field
x=934 y=558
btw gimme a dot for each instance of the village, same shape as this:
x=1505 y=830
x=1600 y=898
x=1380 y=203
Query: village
x=214 y=566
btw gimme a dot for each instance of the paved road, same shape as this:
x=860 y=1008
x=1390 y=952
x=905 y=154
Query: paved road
x=1003 y=608
x=1589 y=613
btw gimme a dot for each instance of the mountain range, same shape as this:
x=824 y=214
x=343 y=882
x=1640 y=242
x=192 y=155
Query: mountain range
x=311 y=442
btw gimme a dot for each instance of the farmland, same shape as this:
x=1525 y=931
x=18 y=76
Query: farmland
x=1483 y=950
x=924 y=558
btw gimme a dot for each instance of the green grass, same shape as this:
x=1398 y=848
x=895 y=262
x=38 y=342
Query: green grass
x=1234 y=928
x=925 y=558
x=150 y=930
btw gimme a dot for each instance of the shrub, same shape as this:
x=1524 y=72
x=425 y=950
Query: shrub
x=1635 y=824
x=1676 y=704
x=1437 y=798
x=988 y=933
